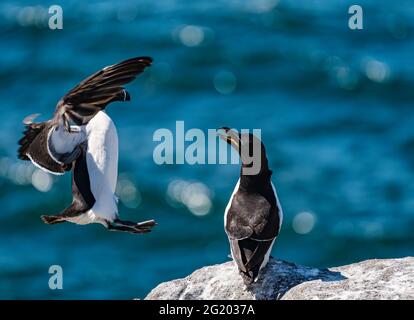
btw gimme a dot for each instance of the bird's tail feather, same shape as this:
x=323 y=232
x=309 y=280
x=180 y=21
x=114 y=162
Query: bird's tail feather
x=250 y=277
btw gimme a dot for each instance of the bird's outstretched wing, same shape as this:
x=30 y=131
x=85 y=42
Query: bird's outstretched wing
x=95 y=92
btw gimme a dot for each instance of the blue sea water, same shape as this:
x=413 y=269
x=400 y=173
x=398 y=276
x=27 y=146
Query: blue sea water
x=334 y=106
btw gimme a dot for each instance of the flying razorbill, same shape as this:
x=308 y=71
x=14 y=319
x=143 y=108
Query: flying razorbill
x=81 y=137
x=253 y=216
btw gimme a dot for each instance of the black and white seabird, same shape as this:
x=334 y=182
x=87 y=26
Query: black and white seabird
x=253 y=216
x=81 y=137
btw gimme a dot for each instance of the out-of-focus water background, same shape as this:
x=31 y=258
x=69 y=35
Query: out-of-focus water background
x=335 y=107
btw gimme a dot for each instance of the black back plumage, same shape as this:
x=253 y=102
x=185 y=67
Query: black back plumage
x=252 y=224
x=253 y=215
x=82 y=196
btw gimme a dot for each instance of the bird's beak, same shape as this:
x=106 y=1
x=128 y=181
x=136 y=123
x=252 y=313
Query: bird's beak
x=230 y=136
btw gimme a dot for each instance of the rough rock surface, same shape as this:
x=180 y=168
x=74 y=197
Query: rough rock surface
x=370 y=279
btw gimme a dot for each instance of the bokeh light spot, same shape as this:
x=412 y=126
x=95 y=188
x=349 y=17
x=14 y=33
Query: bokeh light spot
x=225 y=82
x=191 y=36
x=41 y=180
x=303 y=222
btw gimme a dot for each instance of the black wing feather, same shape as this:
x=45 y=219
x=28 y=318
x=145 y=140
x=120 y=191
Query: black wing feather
x=103 y=87
x=32 y=130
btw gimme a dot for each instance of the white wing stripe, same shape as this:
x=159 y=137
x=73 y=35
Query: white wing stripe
x=44 y=169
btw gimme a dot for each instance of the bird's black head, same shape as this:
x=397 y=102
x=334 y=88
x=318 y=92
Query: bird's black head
x=251 y=150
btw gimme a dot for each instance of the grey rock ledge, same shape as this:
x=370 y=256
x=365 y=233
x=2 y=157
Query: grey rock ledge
x=370 y=279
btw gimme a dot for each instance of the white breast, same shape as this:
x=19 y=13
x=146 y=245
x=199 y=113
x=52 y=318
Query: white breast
x=267 y=256
x=236 y=188
x=103 y=147
x=102 y=162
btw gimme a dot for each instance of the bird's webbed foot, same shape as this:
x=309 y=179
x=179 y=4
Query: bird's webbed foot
x=52 y=219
